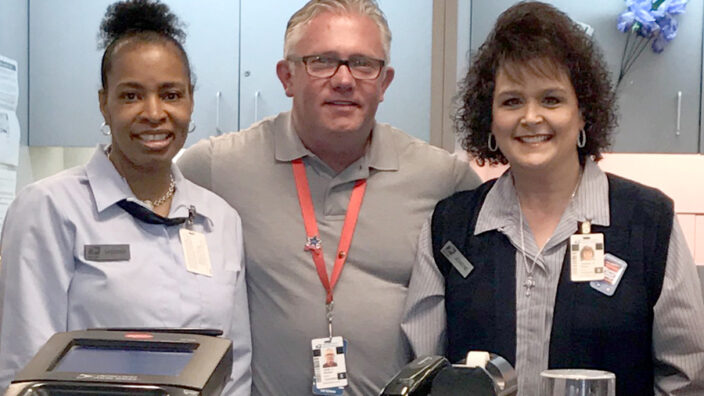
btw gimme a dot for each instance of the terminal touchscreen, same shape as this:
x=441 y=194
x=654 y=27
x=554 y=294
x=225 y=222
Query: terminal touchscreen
x=127 y=362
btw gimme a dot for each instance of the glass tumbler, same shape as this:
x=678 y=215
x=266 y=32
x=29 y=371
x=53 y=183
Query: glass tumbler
x=577 y=382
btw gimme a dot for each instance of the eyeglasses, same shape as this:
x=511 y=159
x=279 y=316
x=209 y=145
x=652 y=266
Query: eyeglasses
x=324 y=66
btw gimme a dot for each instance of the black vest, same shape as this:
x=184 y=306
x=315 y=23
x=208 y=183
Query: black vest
x=590 y=329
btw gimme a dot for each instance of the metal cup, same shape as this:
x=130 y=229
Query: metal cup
x=577 y=382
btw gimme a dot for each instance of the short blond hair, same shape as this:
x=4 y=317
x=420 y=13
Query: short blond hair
x=368 y=8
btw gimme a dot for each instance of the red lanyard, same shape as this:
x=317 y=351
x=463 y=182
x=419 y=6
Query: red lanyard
x=313 y=238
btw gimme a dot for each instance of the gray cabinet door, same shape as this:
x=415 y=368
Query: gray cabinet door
x=407 y=101
x=65 y=68
x=648 y=97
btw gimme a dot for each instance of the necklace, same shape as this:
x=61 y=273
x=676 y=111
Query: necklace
x=149 y=203
x=169 y=193
x=529 y=283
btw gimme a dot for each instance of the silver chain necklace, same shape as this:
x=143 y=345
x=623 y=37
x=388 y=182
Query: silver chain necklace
x=149 y=203
x=529 y=283
x=169 y=193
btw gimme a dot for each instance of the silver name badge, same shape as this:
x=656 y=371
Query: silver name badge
x=454 y=256
x=106 y=252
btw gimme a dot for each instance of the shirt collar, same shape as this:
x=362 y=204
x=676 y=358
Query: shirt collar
x=500 y=207
x=591 y=201
x=109 y=187
x=381 y=154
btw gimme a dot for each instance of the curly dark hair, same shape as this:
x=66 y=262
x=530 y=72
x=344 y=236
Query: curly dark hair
x=141 y=20
x=535 y=31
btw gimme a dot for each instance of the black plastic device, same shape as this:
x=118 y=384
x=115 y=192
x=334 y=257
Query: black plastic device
x=104 y=362
x=434 y=375
x=415 y=379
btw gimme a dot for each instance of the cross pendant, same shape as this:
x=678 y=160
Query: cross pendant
x=529 y=284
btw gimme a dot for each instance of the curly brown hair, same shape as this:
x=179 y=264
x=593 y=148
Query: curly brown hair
x=528 y=32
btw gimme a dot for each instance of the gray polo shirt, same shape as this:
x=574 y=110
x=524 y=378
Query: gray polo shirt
x=252 y=171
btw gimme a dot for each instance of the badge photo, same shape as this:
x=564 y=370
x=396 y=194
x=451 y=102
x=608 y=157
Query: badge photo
x=586 y=257
x=329 y=367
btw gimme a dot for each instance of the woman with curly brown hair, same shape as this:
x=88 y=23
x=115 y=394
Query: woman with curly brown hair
x=499 y=267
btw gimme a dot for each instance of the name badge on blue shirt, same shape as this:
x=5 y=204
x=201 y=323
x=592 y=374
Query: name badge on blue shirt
x=106 y=252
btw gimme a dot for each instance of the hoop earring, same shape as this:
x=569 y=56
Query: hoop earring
x=105 y=129
x=191 y=126
x=492 y=143
x=581 y=138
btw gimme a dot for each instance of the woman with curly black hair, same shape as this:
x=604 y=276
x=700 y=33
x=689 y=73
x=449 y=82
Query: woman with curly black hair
x=499 y=267
x=126 y=241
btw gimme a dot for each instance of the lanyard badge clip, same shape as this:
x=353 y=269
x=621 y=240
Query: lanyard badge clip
x=191 y=217
x=329 y=314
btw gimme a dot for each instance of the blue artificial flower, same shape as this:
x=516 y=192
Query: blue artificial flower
x=660 y=10
x=649 y=31
x=625 y=21
x=668 y=27
x=676 y=6
x=658 y=44
x=647 y=21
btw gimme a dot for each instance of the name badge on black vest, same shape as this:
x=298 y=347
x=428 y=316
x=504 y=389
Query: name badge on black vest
x=454 y=256
x=106 y=252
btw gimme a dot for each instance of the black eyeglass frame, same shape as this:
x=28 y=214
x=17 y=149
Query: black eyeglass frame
x=340 y=62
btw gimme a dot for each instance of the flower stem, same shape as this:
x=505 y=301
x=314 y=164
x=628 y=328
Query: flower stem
x=642 y=46
x=621 y=72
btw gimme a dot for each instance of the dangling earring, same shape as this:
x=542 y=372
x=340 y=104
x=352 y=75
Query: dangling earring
x=581 y=138
x=191 y=126
x=105 y=129
x=492 y=143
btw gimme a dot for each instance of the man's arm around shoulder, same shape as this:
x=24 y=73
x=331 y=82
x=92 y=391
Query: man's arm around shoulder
x=465 y=177
x=196 y=163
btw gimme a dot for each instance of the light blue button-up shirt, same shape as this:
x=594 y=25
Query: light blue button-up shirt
x=47 y=285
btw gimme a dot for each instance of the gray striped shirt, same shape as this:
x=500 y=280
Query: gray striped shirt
x=678 y=328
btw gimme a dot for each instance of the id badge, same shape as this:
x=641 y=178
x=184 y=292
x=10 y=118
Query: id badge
x=195 y=252
x=587 y=257
x=614 y=268
x=329 y=368
x=453 y=255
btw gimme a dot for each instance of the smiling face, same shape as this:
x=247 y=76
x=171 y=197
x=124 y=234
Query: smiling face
x=339 y=104
x=147 y=103
x=536 y=117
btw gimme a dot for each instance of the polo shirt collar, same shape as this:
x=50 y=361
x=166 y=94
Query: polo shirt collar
x=381 y=154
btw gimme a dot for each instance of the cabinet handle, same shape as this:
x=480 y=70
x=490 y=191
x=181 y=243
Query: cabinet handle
x=679 y=112
x=218 y=95
x=257 y=94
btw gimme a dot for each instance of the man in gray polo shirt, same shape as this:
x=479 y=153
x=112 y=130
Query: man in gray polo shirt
x=327 y=160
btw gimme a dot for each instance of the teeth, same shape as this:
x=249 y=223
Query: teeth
x=151 y=138
x=534 y=139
